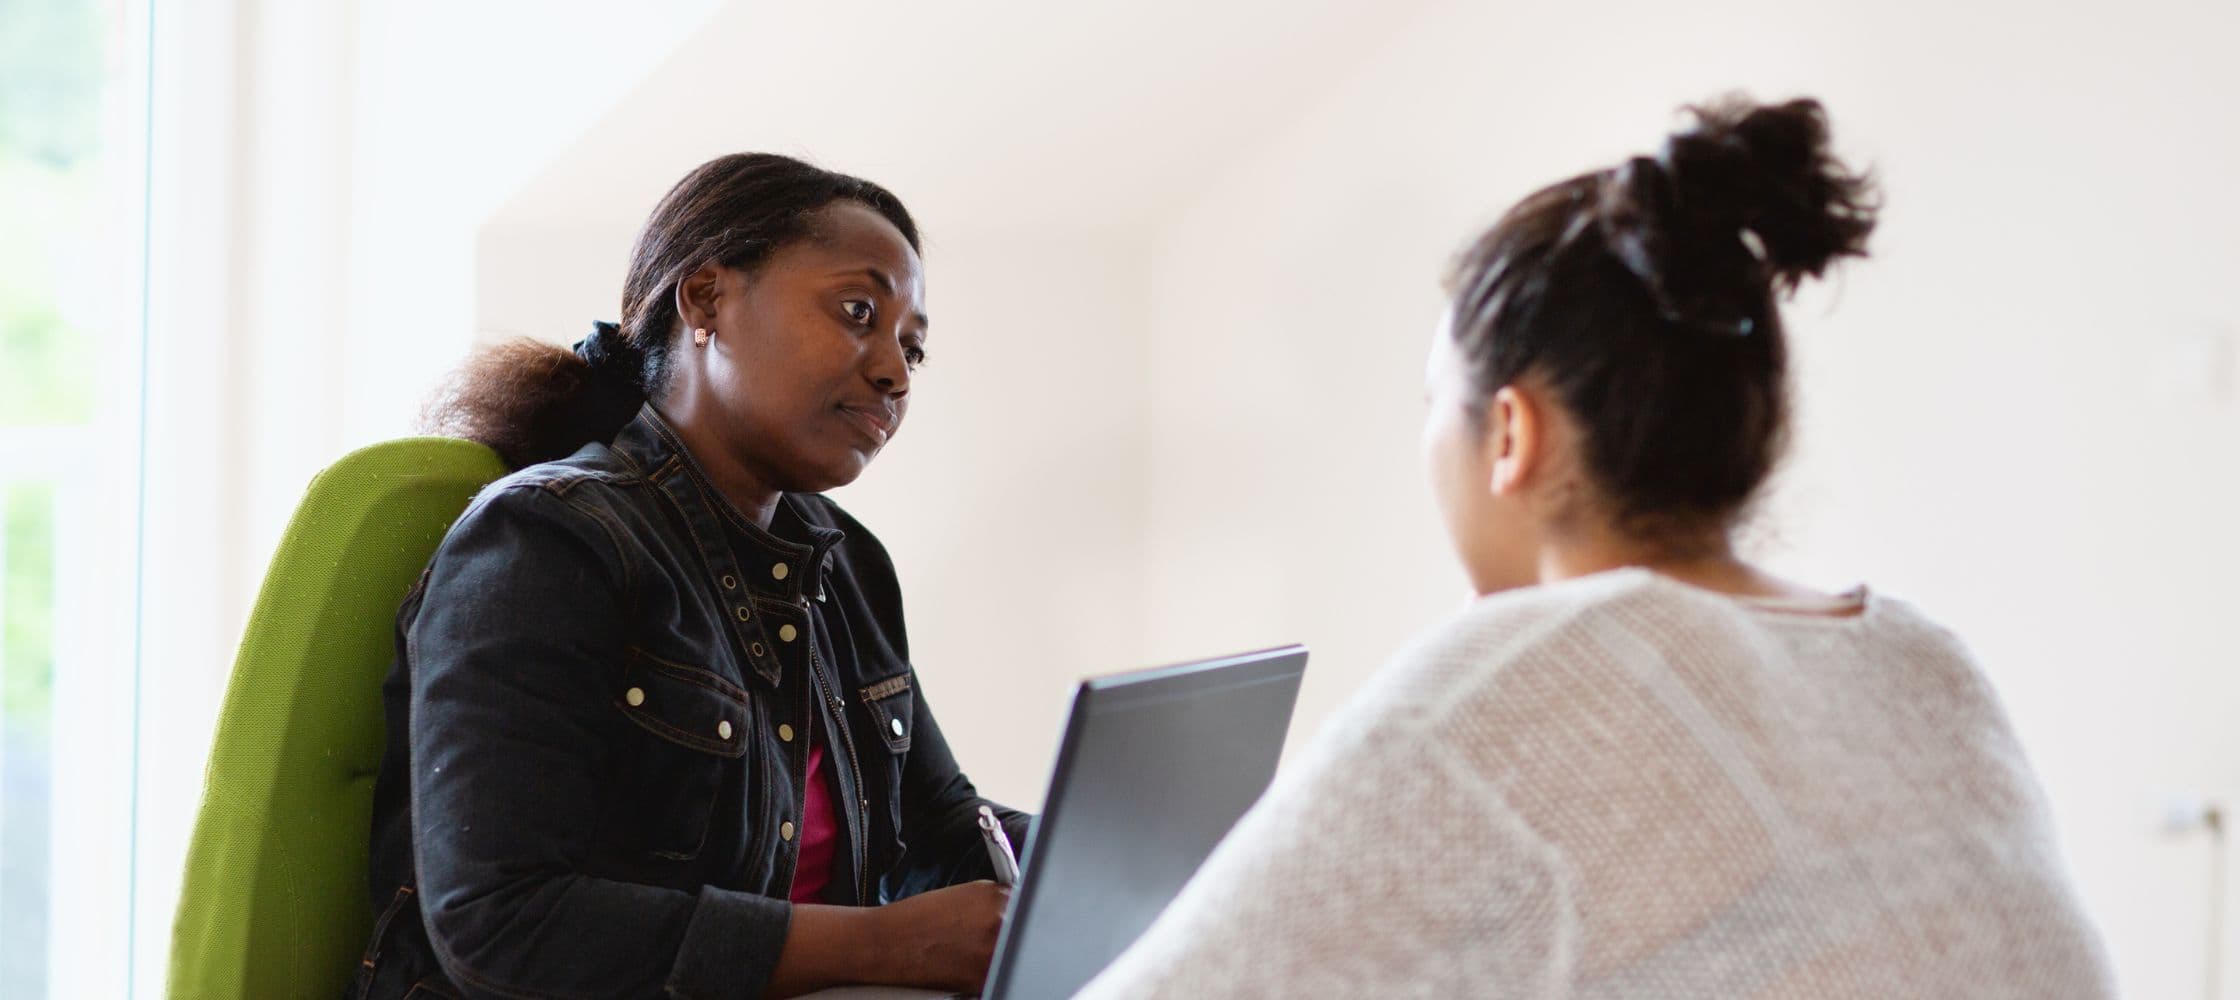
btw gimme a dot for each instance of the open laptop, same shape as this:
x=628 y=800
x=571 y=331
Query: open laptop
x=1153 y=769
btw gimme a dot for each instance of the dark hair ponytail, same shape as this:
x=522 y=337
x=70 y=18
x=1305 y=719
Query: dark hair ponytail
x=532 y=402
x=1645 y=297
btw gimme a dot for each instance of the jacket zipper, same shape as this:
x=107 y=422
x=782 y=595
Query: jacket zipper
x=801 y=804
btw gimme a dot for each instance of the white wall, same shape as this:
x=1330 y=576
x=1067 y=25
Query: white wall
x=2013 y=414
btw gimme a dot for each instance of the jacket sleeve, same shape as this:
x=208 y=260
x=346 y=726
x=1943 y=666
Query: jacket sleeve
x=512 y=656
x=940 y=814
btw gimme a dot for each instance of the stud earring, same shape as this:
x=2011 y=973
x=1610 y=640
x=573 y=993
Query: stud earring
x=700 y=335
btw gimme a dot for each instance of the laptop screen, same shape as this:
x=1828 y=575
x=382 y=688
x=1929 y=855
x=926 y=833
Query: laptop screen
x=1152 y=770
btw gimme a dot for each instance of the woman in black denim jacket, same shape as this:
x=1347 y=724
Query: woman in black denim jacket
x=617 y=672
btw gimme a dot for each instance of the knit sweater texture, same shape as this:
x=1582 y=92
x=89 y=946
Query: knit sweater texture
x=1625 y=786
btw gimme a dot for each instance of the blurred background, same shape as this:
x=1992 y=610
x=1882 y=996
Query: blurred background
x=1184 y=261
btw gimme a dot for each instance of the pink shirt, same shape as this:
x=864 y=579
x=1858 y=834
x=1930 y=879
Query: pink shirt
x=819 y=829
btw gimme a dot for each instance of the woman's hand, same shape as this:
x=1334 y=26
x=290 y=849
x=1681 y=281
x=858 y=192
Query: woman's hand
x=944 y=938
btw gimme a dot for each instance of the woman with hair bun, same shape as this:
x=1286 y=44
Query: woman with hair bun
x=1638 y=765
x=653 y=728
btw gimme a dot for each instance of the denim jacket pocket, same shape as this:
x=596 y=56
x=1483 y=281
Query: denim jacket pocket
x=694 y=725
x=890 y=702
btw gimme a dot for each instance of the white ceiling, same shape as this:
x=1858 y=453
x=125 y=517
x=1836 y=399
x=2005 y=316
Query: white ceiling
x=987 y=114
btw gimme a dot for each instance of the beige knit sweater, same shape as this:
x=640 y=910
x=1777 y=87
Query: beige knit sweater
x=1624 y=786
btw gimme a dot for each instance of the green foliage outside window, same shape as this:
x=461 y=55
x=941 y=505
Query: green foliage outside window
x=62 y=280
x=27 y=604
x=54 y=76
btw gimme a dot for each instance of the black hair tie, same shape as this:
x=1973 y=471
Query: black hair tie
x=1641 y=234
x=605 y=346
x=615 y=387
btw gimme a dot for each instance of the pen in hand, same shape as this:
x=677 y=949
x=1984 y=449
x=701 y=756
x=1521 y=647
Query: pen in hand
x=999 y=848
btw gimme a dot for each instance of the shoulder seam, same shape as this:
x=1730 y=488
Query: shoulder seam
x=613 y=531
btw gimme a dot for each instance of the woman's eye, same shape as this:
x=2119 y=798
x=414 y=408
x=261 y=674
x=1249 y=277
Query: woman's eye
x=858 y=310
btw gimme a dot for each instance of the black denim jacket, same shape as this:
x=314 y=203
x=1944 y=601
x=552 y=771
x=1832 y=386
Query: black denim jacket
x=598 y=726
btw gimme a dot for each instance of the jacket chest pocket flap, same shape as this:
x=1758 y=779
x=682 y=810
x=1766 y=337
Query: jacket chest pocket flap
x=687 y=706
x=890 y=702
x=695 y=724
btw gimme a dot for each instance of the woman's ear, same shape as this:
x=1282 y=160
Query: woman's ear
x=1516 y=438
x=699 y=295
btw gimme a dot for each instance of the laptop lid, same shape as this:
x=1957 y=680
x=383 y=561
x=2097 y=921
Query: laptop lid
x=1153 y=769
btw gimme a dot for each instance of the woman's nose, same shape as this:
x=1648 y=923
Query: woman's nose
x=889 y=369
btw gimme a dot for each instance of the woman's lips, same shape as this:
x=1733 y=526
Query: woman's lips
x=875 y=423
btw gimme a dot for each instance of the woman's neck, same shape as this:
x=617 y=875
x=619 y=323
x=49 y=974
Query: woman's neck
x=747 y=490
x=1707 y=561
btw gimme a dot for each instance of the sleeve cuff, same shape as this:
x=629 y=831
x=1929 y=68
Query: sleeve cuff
x=731 y=945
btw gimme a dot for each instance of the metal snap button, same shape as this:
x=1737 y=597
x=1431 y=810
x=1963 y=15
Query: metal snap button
x=779 y=571
x=785 y=733
x=786 y=633
x=896 y=725
x=723 y=729
x=635 y=696
x=785 y=830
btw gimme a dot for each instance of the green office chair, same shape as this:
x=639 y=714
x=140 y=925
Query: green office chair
x=274 y=902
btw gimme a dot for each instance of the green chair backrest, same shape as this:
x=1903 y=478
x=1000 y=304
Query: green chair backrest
x=274 y=904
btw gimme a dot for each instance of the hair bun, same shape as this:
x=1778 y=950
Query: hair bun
x=1766 y=170
x=1748 y=195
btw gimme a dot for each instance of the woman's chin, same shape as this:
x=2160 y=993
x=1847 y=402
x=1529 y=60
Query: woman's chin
x=834 y=474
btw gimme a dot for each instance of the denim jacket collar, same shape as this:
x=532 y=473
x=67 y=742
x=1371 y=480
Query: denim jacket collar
x=745 y=561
